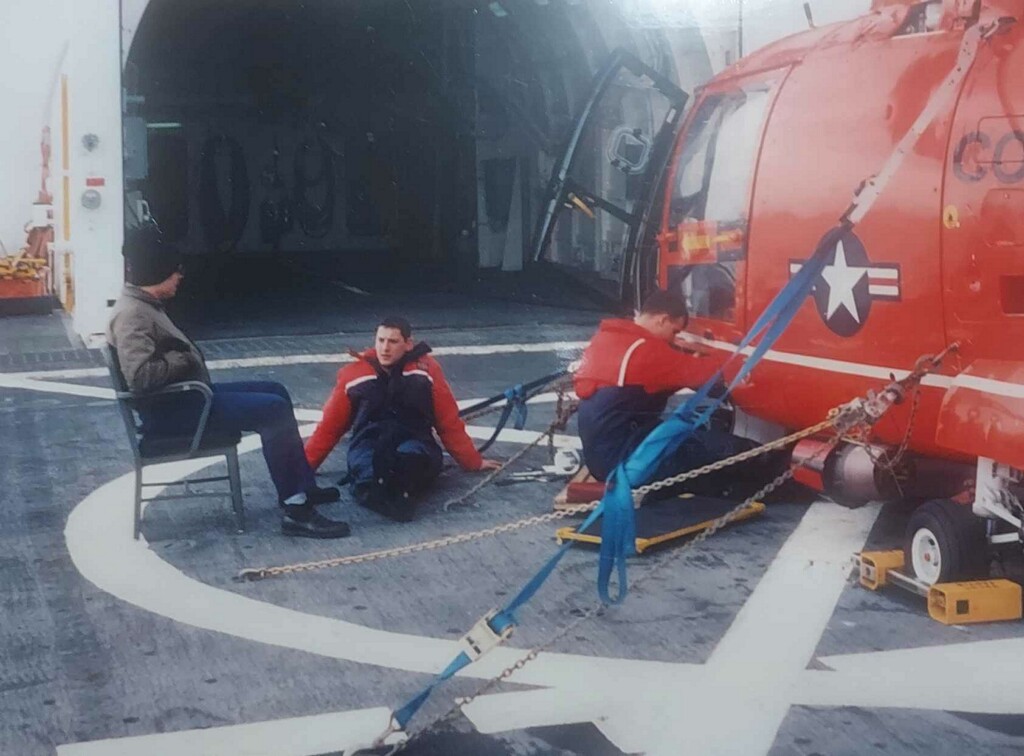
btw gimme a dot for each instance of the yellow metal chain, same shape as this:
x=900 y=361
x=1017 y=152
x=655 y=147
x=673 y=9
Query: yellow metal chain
x=266 y=572
x=414 y=548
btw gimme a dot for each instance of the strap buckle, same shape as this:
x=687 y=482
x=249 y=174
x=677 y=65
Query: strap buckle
x=481 y=638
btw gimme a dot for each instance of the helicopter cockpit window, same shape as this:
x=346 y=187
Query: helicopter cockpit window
x=711 y=193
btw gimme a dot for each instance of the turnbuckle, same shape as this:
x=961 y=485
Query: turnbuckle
x=481 y=638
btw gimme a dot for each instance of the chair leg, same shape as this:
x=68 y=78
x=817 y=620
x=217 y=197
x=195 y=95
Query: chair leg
x=138 y=500
x=236 y=488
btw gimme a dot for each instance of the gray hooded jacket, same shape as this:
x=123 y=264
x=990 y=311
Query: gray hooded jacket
x=153 y=352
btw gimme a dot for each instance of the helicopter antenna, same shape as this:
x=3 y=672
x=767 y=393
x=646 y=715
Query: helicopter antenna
x=739 y=29
x=810 y=17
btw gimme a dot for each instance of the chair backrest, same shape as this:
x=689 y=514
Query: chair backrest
x=120 y=385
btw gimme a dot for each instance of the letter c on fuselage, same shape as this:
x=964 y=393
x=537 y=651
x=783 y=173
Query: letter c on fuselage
x=974 y=137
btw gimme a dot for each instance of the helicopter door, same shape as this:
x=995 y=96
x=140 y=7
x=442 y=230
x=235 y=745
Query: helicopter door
x=596 y=204
x=983 y=210
x=703 y=242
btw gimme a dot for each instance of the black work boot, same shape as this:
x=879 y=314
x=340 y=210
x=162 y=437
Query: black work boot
x=304 y=521
x=400 y=506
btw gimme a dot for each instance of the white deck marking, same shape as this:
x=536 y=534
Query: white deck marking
x=753 y=671
x=337 y=358
x=19 y=381
x=298 y=736
x=988 y=675
x=758 y=668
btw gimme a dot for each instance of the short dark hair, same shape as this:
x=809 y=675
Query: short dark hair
x=401 y=324
x=662 y=302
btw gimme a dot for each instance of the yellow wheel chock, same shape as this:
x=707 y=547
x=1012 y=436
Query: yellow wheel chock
x=959 y=603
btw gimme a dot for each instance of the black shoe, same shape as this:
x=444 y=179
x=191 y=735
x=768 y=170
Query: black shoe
x=304 y=521
x=377 y=497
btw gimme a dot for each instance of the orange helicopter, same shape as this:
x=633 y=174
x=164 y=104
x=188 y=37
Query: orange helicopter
x=762 y=166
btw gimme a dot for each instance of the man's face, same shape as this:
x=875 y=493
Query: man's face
x=390 y=345
x=664 y=326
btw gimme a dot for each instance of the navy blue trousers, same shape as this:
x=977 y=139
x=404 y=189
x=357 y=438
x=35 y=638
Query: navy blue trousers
x=264 y=407
x=411 y=467
x=708 y=445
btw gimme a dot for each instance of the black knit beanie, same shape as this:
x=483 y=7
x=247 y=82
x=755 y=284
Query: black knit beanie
x=149 y=260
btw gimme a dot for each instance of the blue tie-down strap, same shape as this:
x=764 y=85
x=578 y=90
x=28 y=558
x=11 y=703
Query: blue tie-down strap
x=517 y=398
x=407 y=712
x=515 y=401
x=492 y=629
x=618 y=530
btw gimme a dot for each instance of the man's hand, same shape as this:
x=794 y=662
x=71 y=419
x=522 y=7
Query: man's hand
x=490 y=464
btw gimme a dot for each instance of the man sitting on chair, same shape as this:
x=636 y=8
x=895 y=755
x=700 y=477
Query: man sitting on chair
x=153 y=353
x=392 y=398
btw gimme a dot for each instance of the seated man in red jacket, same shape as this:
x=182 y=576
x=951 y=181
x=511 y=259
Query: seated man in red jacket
x=624 y=381
x=392 y=398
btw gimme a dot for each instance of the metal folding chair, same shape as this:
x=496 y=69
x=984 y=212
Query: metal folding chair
x=151 y=449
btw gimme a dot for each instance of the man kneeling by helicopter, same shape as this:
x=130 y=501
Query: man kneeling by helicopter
x=392 y=398
x=628 y=371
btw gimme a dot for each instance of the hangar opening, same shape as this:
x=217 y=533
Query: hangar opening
x=300 y=153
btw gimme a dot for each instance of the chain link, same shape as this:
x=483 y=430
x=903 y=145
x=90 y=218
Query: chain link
x=415 y=548
x=837 y=416
x=559 y=423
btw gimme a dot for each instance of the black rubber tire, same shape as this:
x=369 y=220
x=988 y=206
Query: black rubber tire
x=959 y=535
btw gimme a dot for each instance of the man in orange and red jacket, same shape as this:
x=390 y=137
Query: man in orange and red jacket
x=392 y=398
x=624 y=381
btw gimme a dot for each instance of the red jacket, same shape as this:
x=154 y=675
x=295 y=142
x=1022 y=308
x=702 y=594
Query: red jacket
x=623 y=353
x=624 y=381
x=423 y=401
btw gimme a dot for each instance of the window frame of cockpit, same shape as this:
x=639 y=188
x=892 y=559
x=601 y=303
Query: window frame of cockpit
x=722 y=92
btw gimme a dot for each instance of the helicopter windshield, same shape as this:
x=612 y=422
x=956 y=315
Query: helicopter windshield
x=708 y=208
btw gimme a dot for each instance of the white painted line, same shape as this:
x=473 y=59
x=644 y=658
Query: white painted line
x=989 y=386
x=891 y=274
x=299 y=736
x=983 y=677
x=17 y=381
x=750 y=677
x=351 y=288
x=509 y=435
x=99 y=540
x=864 y=370
x=336 y=358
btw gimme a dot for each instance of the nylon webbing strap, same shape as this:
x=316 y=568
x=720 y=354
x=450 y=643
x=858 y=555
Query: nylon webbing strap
x=499 y=623
x=407 y=712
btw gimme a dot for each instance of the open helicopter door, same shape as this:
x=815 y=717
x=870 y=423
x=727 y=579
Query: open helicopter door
x=607 y=175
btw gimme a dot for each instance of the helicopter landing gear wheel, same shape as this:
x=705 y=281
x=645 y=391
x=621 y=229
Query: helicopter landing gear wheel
x=945 y=542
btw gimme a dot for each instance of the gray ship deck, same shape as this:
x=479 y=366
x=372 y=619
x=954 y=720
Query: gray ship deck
x=754 y=642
